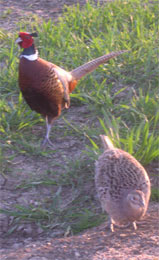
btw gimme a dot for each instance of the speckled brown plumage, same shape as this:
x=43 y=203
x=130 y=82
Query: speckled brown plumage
x=119 y=177
x=47 y=87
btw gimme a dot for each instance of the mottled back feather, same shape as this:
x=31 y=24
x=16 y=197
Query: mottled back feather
x=117 y=174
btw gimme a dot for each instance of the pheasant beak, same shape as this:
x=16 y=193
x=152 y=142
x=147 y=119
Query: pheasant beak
x=18 y=40
x=142 y=203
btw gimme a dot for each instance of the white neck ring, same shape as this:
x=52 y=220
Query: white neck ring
x=31 y=57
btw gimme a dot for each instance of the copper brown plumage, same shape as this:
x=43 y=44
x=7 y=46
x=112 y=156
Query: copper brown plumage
x=44 y=85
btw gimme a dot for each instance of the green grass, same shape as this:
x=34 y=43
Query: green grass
x=121 y=97
x=155 y=194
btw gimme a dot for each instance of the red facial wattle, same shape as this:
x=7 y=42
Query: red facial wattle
x=27 y=40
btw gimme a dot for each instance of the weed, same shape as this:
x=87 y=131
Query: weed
x=155 y=194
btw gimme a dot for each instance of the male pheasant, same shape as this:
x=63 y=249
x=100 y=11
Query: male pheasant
x=44 y=85
x=122 y=184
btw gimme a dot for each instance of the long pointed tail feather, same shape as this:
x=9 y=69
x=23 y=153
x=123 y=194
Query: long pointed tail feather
x=88 y=67
x=107 y=144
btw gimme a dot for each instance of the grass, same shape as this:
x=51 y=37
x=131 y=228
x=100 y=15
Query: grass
x=155 y=194
x=121 y=99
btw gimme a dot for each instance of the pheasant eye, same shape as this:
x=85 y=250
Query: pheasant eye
x=133 y=198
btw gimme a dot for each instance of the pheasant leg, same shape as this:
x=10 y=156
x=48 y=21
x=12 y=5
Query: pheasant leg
x=46 y=138
x=111 y=224
x=134 y=225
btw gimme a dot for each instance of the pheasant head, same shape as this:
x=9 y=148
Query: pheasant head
x=25 y=40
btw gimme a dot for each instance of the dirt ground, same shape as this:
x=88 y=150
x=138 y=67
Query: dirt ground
x=96 y=243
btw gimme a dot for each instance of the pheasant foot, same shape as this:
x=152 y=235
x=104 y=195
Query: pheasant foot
x=45 y=142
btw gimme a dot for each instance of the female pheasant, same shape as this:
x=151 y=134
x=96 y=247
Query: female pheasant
x=44 y=85
x=122 y=184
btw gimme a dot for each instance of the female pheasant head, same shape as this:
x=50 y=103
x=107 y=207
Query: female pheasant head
x=136 y=201
x=25 y=40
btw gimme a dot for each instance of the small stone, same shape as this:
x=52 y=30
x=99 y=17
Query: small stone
x=40 y=230
x=28 y=230
x=77 y=254
x=17 y=245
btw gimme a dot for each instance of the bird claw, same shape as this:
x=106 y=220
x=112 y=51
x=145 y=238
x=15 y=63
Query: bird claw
x=111 y=225
x=45 y=142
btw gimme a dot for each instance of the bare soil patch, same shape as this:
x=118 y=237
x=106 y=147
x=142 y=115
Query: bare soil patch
x=95 y=244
